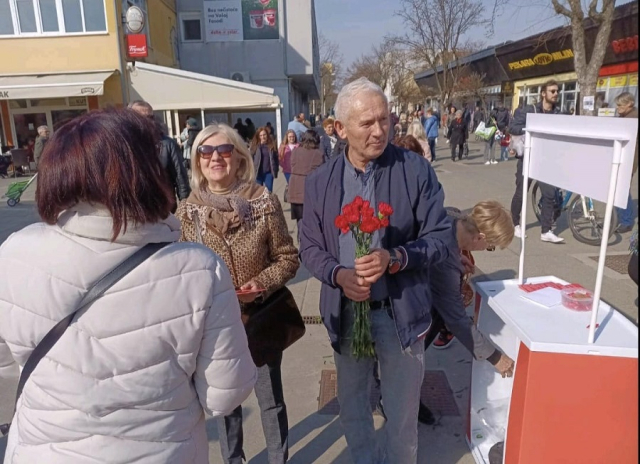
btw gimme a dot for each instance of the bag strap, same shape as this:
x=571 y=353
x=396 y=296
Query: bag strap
x=95 y=292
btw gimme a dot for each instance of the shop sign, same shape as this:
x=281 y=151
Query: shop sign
x=507 y=88
x=618 y=81
x=77 y=101
x=633 y=80
x=542 y=59
x=628 y=44
x=135 y=19
x=603 y=81
x=237 y=20
x=137 y=46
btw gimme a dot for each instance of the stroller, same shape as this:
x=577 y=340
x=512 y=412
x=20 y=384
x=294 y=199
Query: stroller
x=16 y=189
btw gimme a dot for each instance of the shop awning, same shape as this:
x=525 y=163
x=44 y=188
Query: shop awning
x=174 y=89
x=53 y=85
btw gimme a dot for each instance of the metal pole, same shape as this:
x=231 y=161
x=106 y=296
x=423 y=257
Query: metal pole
x=613 y=180
x=279 y=123
x=523 y=213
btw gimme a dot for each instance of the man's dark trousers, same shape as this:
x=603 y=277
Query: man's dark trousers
x=547 y=208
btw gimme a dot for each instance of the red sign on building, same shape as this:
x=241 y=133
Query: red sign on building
x=137 y=46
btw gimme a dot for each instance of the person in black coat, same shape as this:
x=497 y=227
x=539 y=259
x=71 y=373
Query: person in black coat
x=169 y=153
x=457 y=135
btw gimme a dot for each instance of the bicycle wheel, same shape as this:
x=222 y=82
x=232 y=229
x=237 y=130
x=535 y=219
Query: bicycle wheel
x=589 y=229
x=536 y=200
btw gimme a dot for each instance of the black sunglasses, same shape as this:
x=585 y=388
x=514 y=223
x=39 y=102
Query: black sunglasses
x=225 y=150
x=553 y=91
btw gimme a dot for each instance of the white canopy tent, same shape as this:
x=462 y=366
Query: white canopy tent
x=169 y=89
x=53 y=85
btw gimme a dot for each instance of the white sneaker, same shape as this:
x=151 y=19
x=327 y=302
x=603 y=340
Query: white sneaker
x=517 y=231
x=487 y=163
x=551 y=237
x=494 y=162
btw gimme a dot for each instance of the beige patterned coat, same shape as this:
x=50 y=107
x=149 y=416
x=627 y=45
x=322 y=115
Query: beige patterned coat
x=263 y=251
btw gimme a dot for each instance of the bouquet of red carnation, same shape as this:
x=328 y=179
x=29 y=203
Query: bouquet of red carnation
x=361 y=219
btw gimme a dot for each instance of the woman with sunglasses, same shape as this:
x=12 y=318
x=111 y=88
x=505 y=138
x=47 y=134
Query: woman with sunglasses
x=243 y=223
x=265 y=157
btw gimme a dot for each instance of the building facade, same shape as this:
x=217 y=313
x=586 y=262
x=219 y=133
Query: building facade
x=269 y=43
x=64 y=58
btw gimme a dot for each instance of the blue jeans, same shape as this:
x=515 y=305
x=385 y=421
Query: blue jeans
x=401 y=375
x=266 y=179
x=287 y=176
x=504 y=153
x=626 y=216
x=432 y=147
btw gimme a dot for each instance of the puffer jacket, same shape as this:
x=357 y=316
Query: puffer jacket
x=129 y=379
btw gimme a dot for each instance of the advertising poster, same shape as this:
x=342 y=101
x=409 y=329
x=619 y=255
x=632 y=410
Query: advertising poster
x=260 y=19
x=223 y=21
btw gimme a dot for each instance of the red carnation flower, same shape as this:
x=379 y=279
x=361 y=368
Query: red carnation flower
x=357 y=201
x=385 y=209
x=342 y=223
x=384 y=222
x=369 y=225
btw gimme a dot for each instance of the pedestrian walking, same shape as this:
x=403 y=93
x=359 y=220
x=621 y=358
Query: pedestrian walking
x=289 y=143
x=416 y=130
x=250 y=129
x=192 y=133
x=131 y=377
x=169 y=152
x=297 y=126
x=489 y=148
x=478 y=117
x=269 y=127
x=392 y=277
x=241 y=129
x=431 y=126
x=505 y=143
x=41 y=141
x=549 y=207
x=265 y=158
x=457 y=135
x=625 y=104
x=304 y=160
x=330 y=143
x=243 y=223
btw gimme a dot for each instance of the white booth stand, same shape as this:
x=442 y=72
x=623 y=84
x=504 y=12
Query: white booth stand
x=574 y=394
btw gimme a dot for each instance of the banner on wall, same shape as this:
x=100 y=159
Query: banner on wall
x=237 y=20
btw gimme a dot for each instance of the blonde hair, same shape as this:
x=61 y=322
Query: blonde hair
x=328 y=121
x=493 y=220
x=246 y=169
x=416 y=129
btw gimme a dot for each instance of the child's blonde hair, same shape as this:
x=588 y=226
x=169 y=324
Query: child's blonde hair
x=493 y=220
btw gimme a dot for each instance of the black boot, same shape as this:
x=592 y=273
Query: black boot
x=425 y=416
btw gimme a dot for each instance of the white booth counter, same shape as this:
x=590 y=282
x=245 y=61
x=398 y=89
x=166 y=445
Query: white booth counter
x=569 y=401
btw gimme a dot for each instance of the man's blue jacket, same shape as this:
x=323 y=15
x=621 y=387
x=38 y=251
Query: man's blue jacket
x=418 y=224
x=431 y=127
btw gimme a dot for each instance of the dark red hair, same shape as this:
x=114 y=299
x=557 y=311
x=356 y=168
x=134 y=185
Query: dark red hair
x=107 y=157
x=410 y=143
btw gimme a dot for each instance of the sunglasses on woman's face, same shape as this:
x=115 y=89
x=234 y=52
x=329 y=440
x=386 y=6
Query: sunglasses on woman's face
x=225 y=150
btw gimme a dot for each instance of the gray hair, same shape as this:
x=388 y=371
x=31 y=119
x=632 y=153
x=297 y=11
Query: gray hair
x=41 y=129
x=349 y=92
x=459 y=113
x=625 y=98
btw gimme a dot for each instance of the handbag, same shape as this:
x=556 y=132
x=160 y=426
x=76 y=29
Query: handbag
x=272 y=326
x=286 y=194
x=96 y=291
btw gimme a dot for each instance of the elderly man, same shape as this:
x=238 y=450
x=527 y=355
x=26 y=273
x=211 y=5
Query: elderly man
x=170 y=154
x=393 y=277
x=41 y=141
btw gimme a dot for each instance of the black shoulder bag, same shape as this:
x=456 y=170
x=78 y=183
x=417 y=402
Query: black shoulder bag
x=95 y=292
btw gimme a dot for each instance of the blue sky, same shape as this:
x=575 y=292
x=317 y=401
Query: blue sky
x=358 y=24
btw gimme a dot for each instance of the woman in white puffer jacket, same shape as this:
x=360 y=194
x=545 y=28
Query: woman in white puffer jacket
x=130 y=379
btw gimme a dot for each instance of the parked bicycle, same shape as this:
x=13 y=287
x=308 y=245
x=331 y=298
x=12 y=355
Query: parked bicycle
x=585 y=215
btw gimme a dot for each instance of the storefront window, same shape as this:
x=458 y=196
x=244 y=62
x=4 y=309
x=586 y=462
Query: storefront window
x=610 y=87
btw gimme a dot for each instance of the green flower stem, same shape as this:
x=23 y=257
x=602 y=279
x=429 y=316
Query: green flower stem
x=362 y=341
